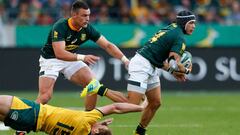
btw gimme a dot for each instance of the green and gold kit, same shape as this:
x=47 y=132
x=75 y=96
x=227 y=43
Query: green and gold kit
x=166 y=40
x=60 y=121
x=26 y=115
x=23 y=115
x=63 y=30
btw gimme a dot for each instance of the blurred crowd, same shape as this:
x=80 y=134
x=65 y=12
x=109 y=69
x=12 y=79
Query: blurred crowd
x=45 y=12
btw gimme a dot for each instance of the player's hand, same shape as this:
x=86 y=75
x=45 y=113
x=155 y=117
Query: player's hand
x=181 y=68
x=165 y=65
x=91 y=59
x=190 y=68
x=106 y=122
x=179 y=76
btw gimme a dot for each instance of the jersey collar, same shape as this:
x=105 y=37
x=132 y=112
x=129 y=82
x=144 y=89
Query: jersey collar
x=71 y=26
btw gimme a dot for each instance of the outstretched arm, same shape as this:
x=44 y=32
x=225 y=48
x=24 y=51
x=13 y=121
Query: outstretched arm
x=120 y=108
x=62 y=54
x=116 y=96
x=112 y=49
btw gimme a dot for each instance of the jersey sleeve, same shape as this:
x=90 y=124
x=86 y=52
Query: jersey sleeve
x=93 y=116
x=179 y=46
x=58 y=32
x=94 y=35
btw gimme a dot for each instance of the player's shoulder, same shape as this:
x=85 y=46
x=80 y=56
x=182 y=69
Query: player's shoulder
x=61 y=23
x=89 y=27
x=174 y=31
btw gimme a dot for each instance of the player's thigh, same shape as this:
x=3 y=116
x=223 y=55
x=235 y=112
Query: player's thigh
x=51 y=67
x=79 y=73
x=135 y=97
x=154 y=95
x=83 y=76
x=138 y=74
x=140 y=70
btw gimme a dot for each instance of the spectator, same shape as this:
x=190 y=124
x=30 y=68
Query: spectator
x=52 y=8
x=24 y=16
x=2 y=34
x=140 y=13
x=103 y=14
x=121 y=11
x=234 y=17
x=12 y=10
x=124 y=15
x=3 y=13
x=66 y=8
x=44 y=19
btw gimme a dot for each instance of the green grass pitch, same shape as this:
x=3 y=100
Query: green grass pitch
x=181 y=113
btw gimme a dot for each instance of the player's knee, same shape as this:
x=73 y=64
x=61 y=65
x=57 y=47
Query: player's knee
x=155 y=104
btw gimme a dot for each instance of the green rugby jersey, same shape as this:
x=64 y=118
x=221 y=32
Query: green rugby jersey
x=166 y=40
x=62 y=30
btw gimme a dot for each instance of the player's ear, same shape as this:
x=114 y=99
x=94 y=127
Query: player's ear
x=96 y=130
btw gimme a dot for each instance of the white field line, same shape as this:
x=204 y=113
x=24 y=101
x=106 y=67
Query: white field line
x=160 y=125
x=205 y=109
x=176 y=108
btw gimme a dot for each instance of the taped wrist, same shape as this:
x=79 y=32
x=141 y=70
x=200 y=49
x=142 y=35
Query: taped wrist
x=124 y=59
x=80 y=57
x=172 y=65
x=102 y=91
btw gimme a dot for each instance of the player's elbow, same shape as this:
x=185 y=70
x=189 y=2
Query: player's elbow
x=60 y=56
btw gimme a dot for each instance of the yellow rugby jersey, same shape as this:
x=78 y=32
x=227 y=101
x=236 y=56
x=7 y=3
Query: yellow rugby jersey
x=58 y=121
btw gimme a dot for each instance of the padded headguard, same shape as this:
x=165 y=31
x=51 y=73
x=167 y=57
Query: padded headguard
x=183 y=17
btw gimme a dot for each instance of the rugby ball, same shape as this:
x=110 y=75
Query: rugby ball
x=186 y=59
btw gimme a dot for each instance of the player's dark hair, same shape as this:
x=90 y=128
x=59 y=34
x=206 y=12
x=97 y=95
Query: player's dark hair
x=78 y=4
x=104 y=132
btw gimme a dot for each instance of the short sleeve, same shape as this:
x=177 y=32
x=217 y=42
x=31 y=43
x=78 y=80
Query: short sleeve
x=93 y=116
x=179 y=46
x=94 y=35
x=58 y=32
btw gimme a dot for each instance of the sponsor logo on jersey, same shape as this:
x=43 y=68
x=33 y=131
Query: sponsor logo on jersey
x=74 y=41
x=14 y=116
x=183 y=48
x=55 y=34
x=83 y=37
x=71 y=47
